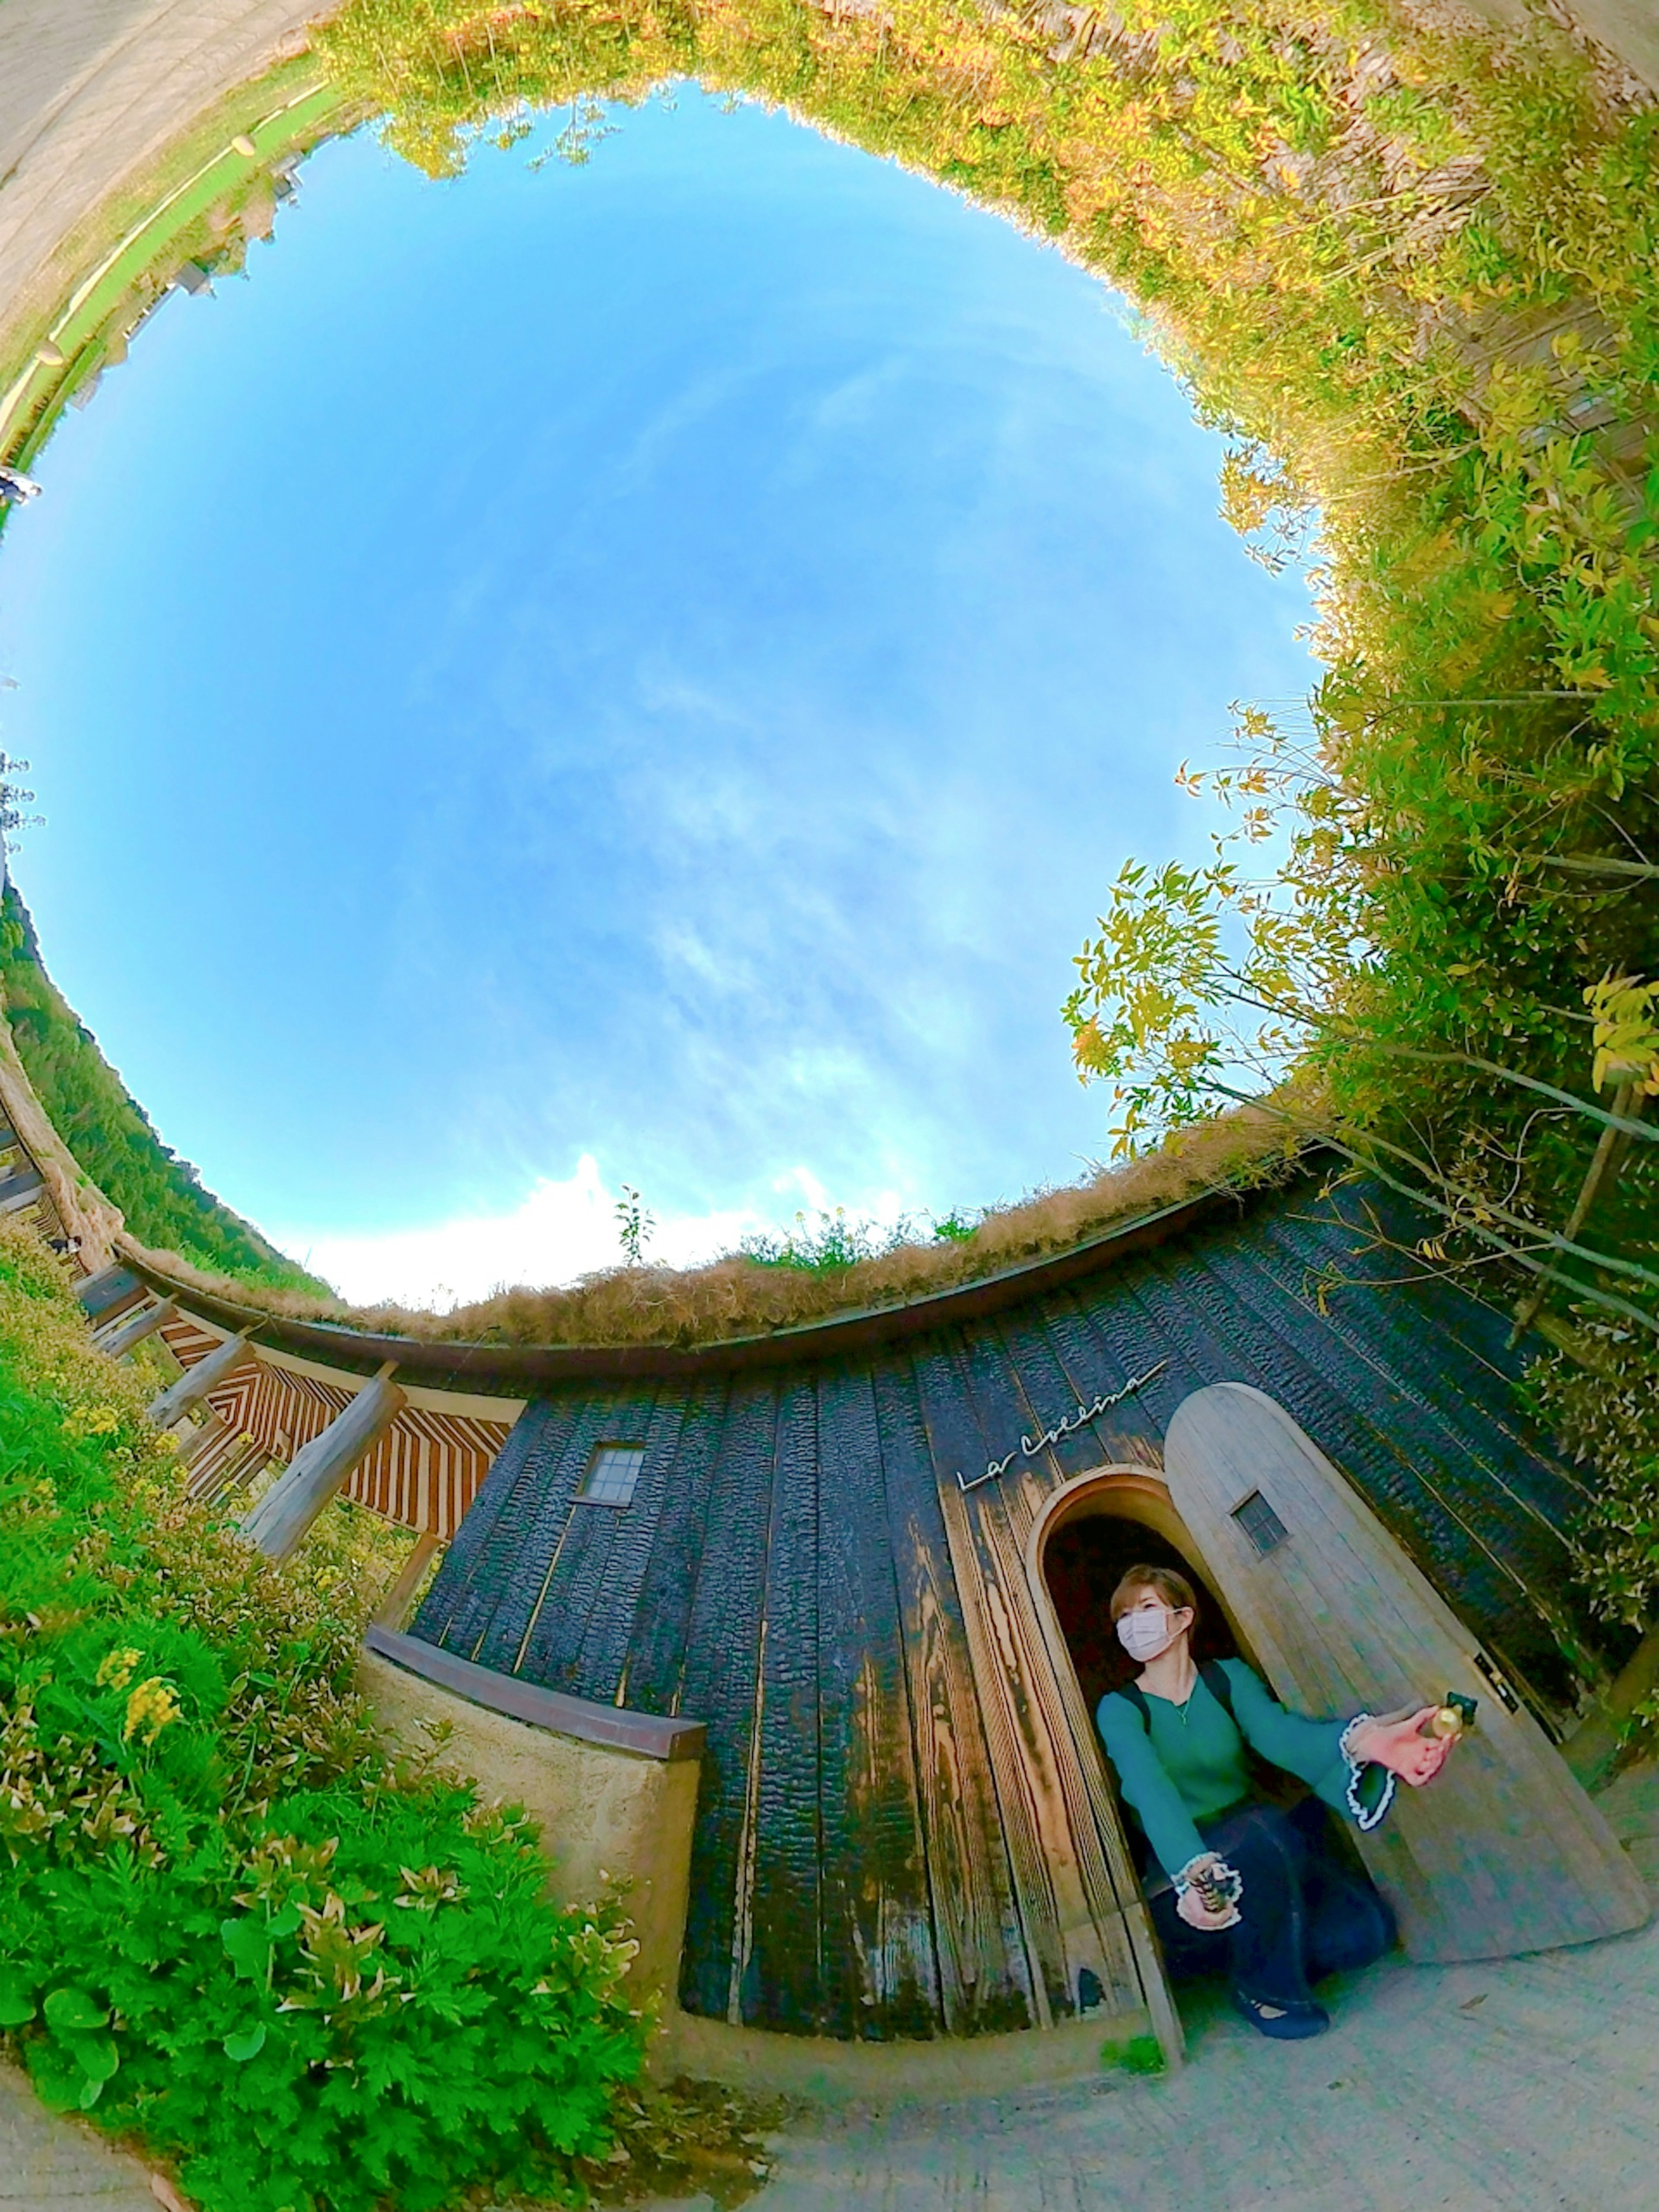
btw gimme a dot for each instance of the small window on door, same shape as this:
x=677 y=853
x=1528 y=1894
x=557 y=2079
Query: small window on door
x=1259 y=1524
x=612 y=1471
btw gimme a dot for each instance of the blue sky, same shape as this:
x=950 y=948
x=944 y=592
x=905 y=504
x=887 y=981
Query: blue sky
x=638 y=672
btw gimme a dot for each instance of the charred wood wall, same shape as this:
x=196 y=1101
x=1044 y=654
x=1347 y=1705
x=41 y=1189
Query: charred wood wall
x=785 y=1574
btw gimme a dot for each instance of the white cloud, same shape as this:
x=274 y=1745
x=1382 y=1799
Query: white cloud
x=562 y=1230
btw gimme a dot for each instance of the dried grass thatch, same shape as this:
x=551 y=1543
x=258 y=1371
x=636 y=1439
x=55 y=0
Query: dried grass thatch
x=736 y=1297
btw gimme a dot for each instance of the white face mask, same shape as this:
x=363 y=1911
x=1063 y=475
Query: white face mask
x=1147 y=1631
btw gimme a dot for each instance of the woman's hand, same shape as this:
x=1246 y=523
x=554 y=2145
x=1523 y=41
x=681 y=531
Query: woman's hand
x=1393 y=1740
x=1190 y=1906
x=1196 y=1914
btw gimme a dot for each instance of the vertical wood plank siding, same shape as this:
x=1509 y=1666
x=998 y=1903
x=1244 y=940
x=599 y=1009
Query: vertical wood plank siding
x=897 y=1834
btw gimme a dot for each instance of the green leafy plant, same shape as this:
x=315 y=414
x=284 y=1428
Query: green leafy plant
x=633 y=1225
x=1141 y=2054
x=822 y=1246
x=233 y=1928
x=959 y=1226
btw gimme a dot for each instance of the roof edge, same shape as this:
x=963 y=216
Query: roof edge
x=494 y=1367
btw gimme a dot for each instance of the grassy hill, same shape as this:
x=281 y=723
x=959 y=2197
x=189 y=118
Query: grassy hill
x=164 y=1199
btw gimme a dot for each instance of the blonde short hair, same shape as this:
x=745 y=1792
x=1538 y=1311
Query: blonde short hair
x=1173 y=1589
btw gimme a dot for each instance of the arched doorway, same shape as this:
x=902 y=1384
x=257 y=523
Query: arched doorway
x=1090 y=1532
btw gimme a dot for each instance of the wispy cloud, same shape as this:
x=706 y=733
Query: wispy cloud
x=560 y=1232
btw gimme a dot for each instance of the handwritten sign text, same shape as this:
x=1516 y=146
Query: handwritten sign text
x=1029 y=1447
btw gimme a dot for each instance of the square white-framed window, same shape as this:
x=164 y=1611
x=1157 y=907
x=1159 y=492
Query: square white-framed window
x=612 y=1471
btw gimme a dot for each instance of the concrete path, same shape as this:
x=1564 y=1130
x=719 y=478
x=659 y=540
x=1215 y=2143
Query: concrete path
x=1532 y=2086
x=49 y=2165
x=92 y=90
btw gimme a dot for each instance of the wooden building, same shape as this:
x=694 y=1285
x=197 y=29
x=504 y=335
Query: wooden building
x=870 y=1558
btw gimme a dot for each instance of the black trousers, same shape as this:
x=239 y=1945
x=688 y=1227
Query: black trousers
x=1304 y=1914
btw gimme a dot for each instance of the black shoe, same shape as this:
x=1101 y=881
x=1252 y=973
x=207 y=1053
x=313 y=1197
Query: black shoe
x=1285 y=2020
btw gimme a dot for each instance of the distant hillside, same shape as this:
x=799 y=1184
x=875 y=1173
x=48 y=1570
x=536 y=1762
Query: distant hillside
x=165 y=1202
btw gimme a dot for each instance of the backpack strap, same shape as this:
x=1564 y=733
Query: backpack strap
x=1211 y=1673
x=1132 y=1694
x=1215 y=1678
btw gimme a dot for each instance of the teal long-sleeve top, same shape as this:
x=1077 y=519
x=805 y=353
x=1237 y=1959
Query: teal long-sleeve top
x=1187 y=1763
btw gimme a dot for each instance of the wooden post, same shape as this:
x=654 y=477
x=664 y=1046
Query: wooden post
x=394 y=1606
x=110 y=1291
x=135 y=1331
x=278 y=1524
x=195 y=1384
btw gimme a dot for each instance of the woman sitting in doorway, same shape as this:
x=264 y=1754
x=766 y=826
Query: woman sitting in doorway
x=1246 y=1883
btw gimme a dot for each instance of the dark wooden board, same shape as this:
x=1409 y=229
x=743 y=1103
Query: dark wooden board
x=545 y=1526
x=486 y=1559
x=1480 y=1425
x=1030 y=1818
x=595 y=1567
x=778 y=1950
x=985 y=1981
x=878 y=1972
x=459 y=1594
x=600 y=1662
x=652 y=1634
x=723 y=1650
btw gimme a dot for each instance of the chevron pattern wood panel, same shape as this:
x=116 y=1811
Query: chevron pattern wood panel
x=424 y=1473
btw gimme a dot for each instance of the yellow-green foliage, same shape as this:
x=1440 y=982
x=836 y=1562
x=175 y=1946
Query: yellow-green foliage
x=1598 y=1401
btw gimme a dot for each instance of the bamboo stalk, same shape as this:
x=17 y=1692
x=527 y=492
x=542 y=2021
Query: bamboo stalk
x=1627 y=1103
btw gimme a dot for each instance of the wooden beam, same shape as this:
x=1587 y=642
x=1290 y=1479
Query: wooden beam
x=278 y=1524
x=650 y=1735
x=110 y=1292
x=133 y=1332
x=393 y=1608
x=195 y=1384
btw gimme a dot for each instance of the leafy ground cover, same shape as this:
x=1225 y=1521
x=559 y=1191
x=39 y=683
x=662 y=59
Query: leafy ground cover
x=317 y=1980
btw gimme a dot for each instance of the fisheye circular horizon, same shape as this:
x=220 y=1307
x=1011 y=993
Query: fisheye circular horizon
x=637 y=672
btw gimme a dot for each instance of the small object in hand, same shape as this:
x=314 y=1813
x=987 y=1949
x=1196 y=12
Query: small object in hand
x=1454 y=1716
x=1219 y=1886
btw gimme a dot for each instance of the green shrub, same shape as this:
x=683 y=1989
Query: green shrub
x=321 y=1980
x=1596 y=1397
x=1141 y=2054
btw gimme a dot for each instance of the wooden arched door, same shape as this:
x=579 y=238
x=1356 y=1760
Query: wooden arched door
x=1504 y=1853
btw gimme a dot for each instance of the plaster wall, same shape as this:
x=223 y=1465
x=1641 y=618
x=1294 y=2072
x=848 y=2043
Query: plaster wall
x=601 y=1811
